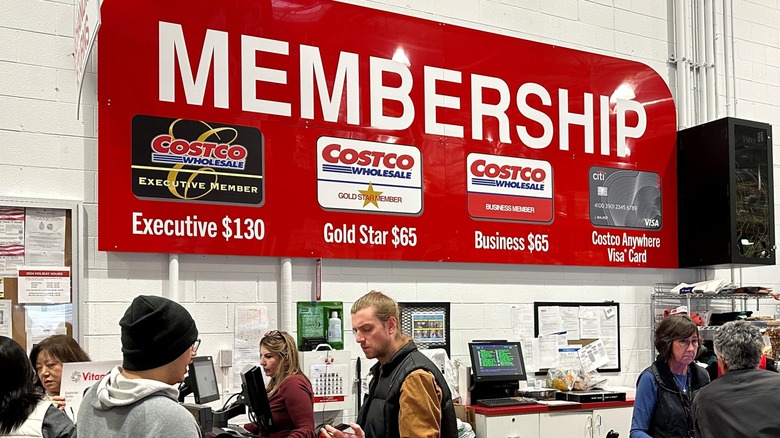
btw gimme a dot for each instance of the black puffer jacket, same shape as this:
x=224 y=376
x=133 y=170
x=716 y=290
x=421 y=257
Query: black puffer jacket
x=379 y=414
x=672 y=413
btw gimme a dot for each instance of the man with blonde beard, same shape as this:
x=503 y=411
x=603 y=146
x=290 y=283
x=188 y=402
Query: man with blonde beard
x=407 y=396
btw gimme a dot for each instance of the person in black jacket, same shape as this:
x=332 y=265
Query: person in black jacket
x=408 y=395
x=665 y=390
x=731 y=406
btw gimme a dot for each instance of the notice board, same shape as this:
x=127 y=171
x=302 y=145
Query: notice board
x=39 y=268
x=582 y=322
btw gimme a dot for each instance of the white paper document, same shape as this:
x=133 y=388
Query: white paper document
x=44 y=285
x=11 y=240
x=550 y=320
x=530 y=348
x=569 y=359
x=44 y=321
x=522 y=321
x=571 y=322
x=251 y=324
x=593 y=355
x=6 y=321
x=548 y=352
x=590 y=326
x=44 y=237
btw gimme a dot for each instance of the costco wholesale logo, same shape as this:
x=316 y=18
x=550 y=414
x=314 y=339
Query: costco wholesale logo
x=368 y=176
x=197 y=161
x=509 y=188
x=166 y=149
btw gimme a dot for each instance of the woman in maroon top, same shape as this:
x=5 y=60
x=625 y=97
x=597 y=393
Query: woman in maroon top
x=289 y=390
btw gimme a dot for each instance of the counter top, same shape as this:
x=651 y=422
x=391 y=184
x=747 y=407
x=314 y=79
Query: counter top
x=541 y=408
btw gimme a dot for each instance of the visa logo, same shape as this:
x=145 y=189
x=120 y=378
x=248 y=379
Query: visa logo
x=651 y=222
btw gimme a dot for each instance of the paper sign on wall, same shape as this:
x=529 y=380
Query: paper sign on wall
x=44 y=285
x=44 y=237
x=593 y=355
x=11 y=240
x=6 y=321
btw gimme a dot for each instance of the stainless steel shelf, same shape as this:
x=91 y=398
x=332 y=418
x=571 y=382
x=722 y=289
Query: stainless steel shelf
x=700 y=303
x=712 y=296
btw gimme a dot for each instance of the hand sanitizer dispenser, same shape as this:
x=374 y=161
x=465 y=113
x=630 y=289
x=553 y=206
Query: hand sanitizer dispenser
x=335 y=331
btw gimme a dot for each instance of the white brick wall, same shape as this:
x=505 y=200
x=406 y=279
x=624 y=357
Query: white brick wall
x=48 y=153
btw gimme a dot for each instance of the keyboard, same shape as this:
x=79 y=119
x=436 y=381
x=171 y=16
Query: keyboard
x=234 y=430
x=506 y=401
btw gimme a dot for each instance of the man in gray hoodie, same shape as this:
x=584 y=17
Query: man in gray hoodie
x=159 y=338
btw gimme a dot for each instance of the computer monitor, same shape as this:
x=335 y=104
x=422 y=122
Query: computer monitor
x=498 y=361
x=256 y=397
x=203 y=379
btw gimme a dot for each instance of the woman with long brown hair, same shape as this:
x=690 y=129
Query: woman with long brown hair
x=289 y=390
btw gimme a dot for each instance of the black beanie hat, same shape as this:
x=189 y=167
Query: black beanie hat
x=155 y=332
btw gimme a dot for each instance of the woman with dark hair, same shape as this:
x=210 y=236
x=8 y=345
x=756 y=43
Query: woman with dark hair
x=48 y=356
x=23 y=410
x=289 y=390
x=665 y=390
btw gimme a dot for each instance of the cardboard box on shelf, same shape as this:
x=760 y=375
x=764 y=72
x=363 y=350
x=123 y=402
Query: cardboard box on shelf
x=466 y=415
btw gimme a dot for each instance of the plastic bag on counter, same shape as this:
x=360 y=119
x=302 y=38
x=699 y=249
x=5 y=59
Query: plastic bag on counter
x=573 y=379
x=587 y=380
x=560 y=379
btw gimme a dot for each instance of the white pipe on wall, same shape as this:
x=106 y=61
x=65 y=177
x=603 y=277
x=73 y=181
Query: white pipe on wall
x=728 y=39
x=173 y=277
x=286 y=321
x=701 y=64
x=709 y=60
x=690 y=78
x=733 y=61
x=682 y=86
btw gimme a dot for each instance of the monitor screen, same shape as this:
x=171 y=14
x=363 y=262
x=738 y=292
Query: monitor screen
x=498 y=361
x=256 y=396
x=203 y=379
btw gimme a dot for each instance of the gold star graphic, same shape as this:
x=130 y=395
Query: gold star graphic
x=370 y=195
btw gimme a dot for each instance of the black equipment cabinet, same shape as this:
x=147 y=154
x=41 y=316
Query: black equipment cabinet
x=725 y=194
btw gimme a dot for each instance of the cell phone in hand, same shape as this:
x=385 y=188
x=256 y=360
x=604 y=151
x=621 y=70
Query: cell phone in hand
x=344 y=427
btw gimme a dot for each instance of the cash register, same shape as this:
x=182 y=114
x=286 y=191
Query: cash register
x=498 y=367
x=201 y=381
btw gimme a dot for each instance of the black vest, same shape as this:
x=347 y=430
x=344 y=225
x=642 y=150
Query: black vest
x=672 y=413
x=379 y=414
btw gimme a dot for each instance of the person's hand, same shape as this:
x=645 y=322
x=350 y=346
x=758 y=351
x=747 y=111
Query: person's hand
x=58 y=401
x=330 y=431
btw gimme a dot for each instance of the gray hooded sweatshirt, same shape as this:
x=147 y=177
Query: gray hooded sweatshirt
x=118 y=407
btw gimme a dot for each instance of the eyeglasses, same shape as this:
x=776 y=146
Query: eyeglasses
x=276 y=334
x=195 y=345
x=688 y=342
